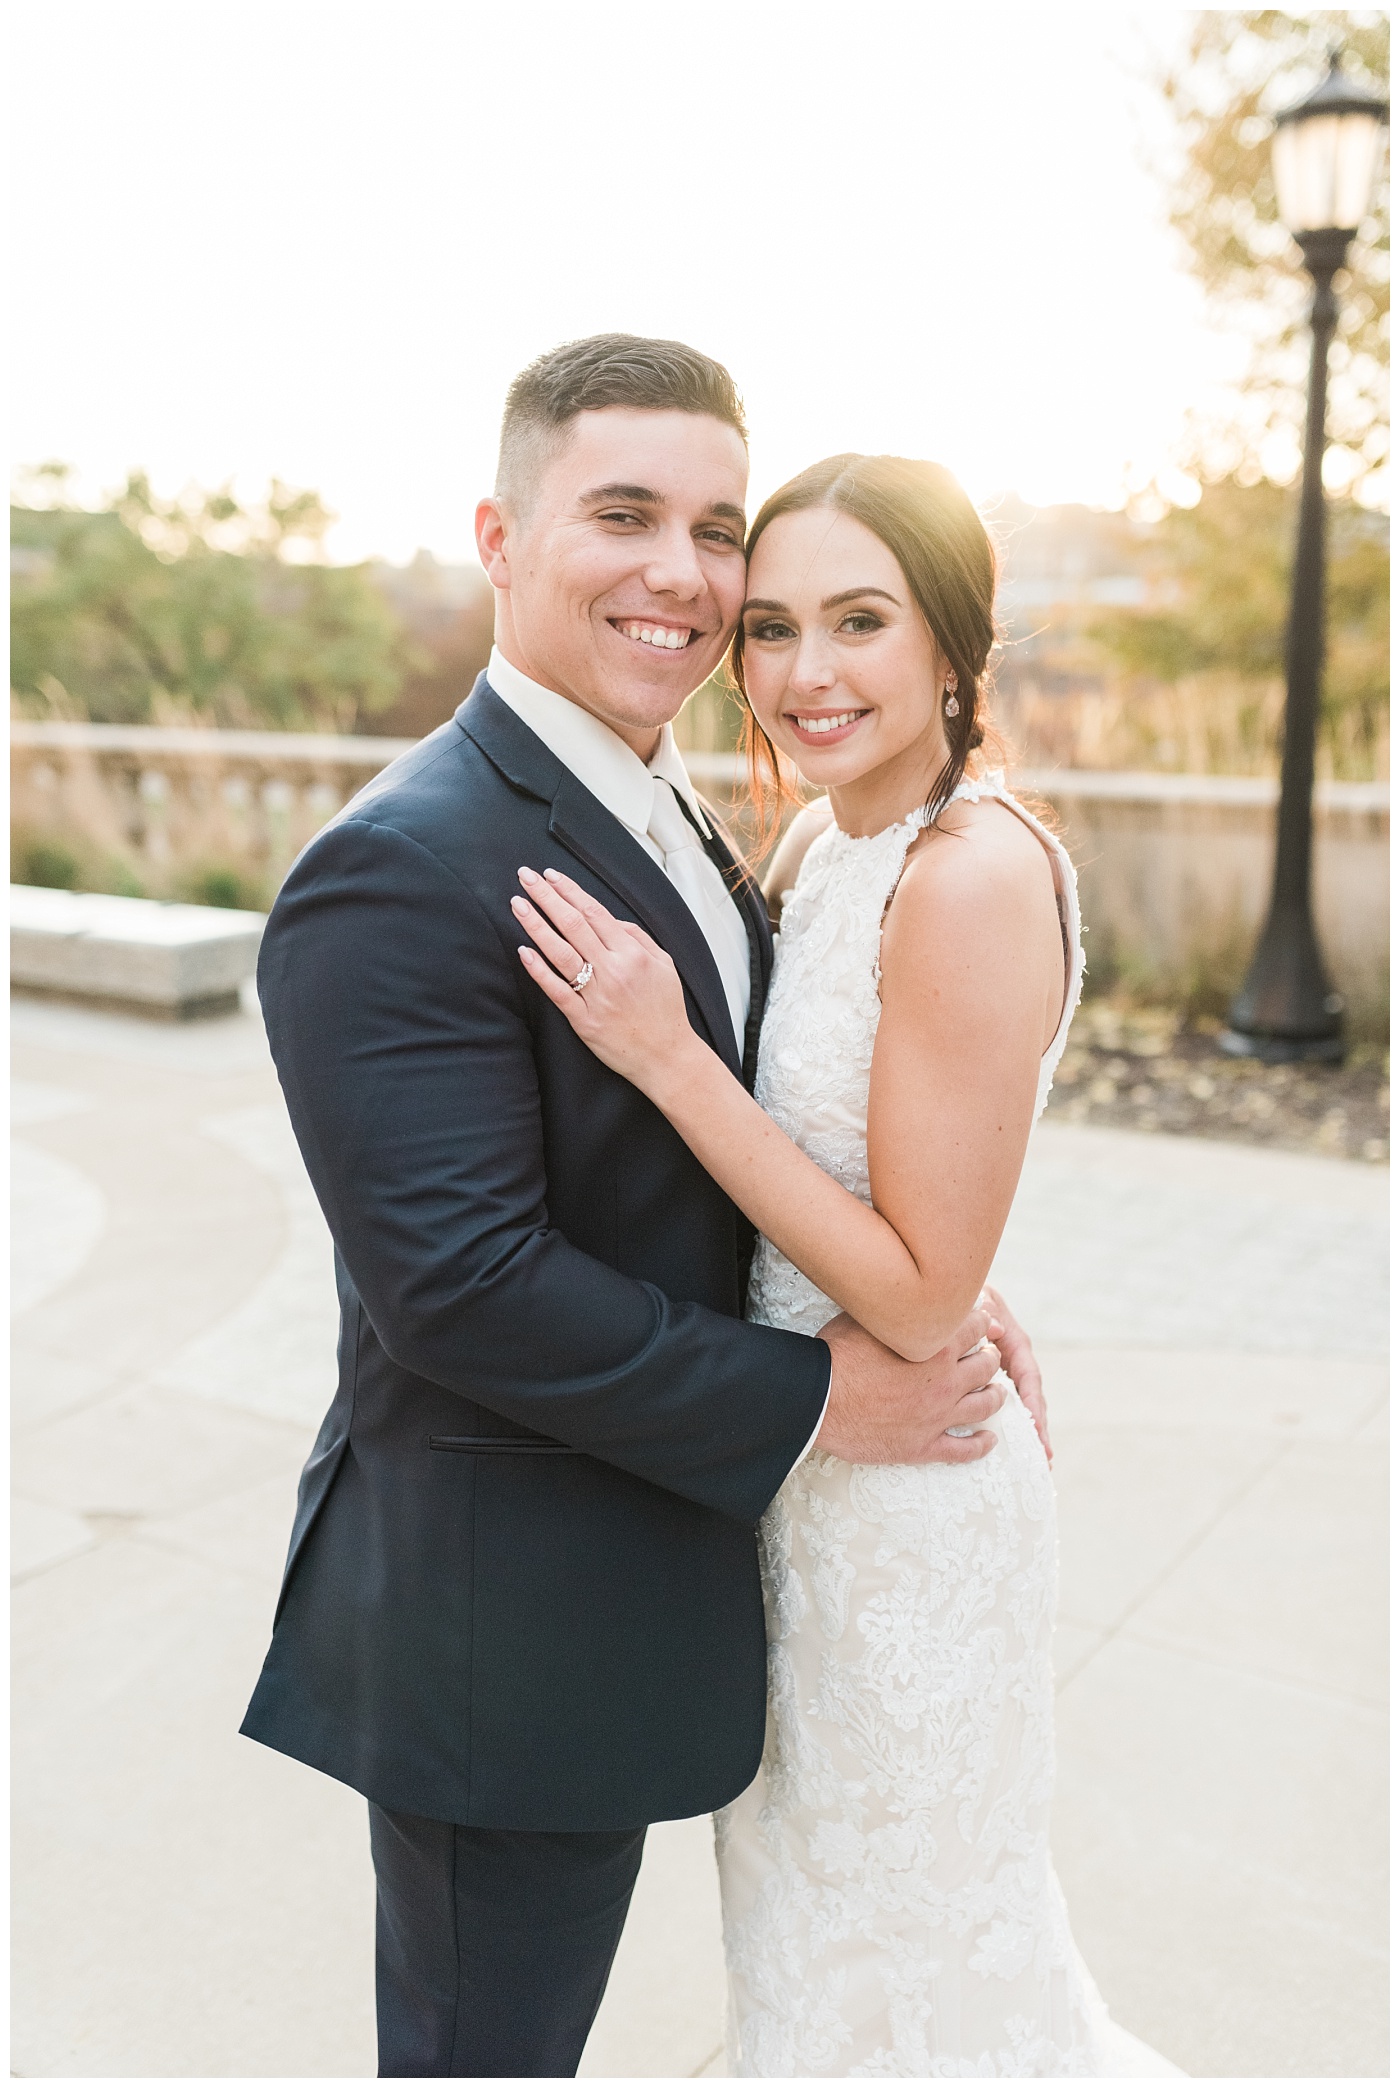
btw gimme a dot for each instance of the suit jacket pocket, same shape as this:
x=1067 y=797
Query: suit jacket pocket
x=516 y=1446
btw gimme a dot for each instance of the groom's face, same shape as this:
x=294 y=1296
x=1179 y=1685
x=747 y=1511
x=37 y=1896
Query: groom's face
x=621 y=580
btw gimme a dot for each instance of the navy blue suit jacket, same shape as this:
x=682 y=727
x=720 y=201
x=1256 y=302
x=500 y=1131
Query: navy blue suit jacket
x=522 y=1589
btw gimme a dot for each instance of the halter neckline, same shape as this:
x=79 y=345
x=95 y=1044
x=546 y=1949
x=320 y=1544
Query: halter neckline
x=971 y=789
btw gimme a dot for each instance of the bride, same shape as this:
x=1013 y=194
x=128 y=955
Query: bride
x=889 y=1901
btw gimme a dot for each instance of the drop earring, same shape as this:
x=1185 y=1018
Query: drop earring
x=950 y=708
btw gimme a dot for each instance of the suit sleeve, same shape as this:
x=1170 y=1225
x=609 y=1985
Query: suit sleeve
x=397 y=1021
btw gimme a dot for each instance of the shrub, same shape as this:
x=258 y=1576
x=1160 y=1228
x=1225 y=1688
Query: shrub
x=45 y=863
x=220 y=885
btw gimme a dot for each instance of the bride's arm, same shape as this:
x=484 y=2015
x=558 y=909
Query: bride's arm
x=952 y=1088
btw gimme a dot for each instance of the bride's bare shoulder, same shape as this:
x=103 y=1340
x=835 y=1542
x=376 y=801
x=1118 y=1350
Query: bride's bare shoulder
x=980 y=843
x=977 y=880
x=781 y=874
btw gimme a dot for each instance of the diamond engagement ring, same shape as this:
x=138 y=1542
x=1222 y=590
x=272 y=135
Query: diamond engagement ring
x=583 y=978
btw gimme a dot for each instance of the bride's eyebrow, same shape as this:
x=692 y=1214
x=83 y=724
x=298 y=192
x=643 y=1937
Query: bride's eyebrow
x=847 y=594
x=856 y=594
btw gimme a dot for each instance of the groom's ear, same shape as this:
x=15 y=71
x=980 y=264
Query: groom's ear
x=491 y=532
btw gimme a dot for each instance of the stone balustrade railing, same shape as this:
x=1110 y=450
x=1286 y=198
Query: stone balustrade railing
x=1174 y=870
x=167 y=807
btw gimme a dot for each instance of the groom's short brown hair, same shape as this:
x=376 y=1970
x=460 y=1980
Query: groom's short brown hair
x=605 y=370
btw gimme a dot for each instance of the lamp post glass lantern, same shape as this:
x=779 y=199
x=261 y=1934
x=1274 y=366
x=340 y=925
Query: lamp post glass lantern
x=1326 y=150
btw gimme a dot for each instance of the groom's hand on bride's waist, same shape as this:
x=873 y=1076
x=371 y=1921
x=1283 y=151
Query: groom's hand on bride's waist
x=884 y=1410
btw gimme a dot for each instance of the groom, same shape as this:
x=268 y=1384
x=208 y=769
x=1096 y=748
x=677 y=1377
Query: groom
x=521 y=1610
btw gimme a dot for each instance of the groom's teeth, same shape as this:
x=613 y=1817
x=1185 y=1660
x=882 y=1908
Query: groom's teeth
x=668 y=640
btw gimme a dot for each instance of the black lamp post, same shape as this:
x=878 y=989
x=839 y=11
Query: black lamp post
x=1325 y=153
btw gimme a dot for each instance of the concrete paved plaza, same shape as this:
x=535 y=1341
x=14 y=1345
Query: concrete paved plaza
x=187 y=1903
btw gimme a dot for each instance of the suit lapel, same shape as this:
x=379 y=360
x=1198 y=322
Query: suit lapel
x=749 y=900
x=603 y=845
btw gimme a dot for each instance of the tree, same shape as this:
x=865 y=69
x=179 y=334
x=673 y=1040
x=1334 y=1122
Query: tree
x=447 y=617
x=1239 y=68
x=1219 y=577
x=196 y=609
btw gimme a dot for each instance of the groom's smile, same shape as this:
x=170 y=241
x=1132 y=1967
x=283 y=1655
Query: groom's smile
x=623 y=561
x=671 y=637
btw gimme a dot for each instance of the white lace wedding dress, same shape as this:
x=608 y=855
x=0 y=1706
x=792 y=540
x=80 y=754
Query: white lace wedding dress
x=889 y=1902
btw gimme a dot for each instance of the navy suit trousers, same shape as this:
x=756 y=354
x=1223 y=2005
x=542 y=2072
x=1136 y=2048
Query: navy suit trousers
x=493 y=1946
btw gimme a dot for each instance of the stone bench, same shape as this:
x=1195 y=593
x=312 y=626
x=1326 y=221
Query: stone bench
x=169 y=961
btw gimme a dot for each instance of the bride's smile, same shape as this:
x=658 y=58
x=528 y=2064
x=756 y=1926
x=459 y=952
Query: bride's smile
x=811 y=726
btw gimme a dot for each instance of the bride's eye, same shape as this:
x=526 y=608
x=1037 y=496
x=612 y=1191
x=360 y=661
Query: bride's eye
x=770 y=628
x=861 y=622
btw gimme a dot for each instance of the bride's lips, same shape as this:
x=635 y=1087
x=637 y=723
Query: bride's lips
x=824 y=728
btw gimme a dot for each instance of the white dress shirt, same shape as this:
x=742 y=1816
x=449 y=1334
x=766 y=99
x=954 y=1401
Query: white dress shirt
x=626 y=785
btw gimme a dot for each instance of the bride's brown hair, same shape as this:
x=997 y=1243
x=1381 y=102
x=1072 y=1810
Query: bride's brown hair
x=921 y=514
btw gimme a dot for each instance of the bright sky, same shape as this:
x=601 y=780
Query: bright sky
x=318 y=241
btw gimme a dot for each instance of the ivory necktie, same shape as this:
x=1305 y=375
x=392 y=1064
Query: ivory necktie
x=703 y=889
